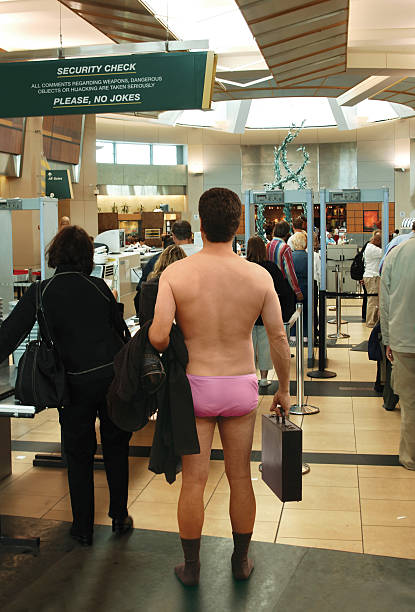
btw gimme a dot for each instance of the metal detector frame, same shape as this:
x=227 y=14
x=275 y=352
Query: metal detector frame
x=292 y=196
x=366 y=195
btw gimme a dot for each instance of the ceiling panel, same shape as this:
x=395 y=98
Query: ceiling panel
x=301 y=38
x=122 y=21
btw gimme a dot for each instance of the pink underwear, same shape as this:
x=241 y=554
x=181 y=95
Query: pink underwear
x=226 y=396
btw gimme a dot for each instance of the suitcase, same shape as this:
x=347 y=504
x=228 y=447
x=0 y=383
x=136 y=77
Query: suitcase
x=282 y=447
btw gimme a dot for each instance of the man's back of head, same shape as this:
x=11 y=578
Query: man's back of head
x=182 y=232
x=281 y=230
x=298 y=223
x=220 y=213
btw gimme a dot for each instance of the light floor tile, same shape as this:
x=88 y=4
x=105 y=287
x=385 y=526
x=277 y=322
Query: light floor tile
x=395 y=513
x=316 y=423
x=387 y=488
x=58 y=515
x=329 y=475
x=320 y=524
x=335 y=442
x=268 y=508
x=158 y=517
x=327 y=498
x=389 y=541
x=384 y=471
x=354 y=546
x=379 y=424
x=218 y=527
x=41 y=481
x=377 y=442
x=23 y=457
x=34 y=506
x=33 y=436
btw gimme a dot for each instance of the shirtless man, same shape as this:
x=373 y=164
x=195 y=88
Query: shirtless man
x=216 y=297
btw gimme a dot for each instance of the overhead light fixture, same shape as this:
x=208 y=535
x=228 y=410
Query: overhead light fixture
x=236 y=84
x=196 y=169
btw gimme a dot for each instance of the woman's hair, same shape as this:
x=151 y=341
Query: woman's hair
x=168 y=256
x=73 y=247
x=298 y=241
x=256 y=250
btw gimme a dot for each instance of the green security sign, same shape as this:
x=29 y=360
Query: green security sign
x=128 y=83
x=59 y=184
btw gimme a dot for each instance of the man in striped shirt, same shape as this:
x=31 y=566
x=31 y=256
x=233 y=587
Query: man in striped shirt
x=280 y=253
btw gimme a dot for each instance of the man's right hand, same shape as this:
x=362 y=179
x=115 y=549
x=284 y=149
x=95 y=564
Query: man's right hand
x=300 y=297
x=281 y=401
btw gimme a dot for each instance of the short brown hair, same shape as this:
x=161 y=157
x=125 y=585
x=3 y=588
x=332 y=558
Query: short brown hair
x=256 y=250
x=281 y=229
x=220 y=212
x=72 y=247
x=298 y=223
x=182 y=230
x=170 y=254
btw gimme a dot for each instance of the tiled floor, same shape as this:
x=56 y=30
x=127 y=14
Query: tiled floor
x=356 y=508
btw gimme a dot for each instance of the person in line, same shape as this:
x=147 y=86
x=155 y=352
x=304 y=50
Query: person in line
x=88 y=330
x=167 y=241
x=371 y=278
x=300 y=259
x=280 y=253
x=299 y=225
x=257 y=253
x=182 y=236
x=397 y=299
x=64 y=222
x=396 y=241
x=215 y=298
x=149 y=289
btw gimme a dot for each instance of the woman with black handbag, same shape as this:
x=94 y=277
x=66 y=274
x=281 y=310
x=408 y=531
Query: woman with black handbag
x=83 y=321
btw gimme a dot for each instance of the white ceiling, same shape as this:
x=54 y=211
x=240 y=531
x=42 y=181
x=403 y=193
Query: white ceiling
x=34 y=24
x=382 y=25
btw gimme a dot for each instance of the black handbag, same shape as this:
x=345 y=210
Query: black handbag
x=282 y=447
x=41 y=377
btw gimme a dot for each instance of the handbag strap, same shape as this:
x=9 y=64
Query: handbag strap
x=44 y=332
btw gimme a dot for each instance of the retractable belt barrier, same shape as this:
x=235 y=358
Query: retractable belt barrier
x=338 y=320
x=300 y=407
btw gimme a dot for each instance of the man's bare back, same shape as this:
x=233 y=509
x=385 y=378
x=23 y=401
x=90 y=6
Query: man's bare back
x=218 y=297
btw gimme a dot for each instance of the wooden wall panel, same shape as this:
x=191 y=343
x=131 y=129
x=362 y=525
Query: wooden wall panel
x=12 y=136
x=62 y=138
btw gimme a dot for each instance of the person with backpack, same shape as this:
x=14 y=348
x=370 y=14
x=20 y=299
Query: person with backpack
x=371 y=278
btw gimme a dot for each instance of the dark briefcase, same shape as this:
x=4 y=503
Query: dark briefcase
x=282 y=447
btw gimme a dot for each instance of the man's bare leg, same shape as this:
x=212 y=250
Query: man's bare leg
x=190 y=512
x=237 y=436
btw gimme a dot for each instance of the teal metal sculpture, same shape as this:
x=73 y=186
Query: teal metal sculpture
x=292 y=176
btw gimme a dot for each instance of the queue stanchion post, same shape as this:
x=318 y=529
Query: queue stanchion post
x=300 y=407
x=338 y=320
x=339 y=286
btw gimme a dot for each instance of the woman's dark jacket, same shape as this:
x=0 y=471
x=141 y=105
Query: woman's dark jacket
x=83 y=319
x=282 y=287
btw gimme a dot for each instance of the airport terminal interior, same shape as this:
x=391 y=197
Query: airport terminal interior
x=304 y=110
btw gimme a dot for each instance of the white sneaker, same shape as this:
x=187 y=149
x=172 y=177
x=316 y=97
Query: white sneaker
x=264 y=382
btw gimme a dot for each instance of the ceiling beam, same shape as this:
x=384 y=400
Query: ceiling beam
x=368 y=88
x=345 y=117
x=237 y=115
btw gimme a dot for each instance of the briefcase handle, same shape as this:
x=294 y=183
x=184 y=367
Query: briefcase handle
x=282 y=417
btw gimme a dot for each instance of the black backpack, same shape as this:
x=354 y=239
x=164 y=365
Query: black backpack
x=357 y=268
